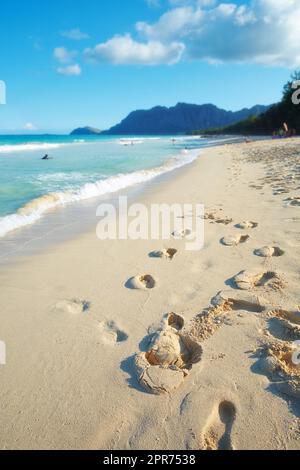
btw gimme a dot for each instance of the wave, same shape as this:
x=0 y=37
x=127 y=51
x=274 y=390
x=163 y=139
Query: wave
x=35 y=209
x=184 y=138
x=136 y=140
x=221 y=140
x=133 y=141
x=29 y=147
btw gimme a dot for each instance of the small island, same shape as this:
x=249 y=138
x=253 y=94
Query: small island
x=86 y=131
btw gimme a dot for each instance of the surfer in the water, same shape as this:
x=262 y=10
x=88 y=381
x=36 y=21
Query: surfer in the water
x=46 y=157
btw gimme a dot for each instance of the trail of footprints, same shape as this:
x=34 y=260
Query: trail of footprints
x=110 y=333
x=282 y=167
x=174 y=347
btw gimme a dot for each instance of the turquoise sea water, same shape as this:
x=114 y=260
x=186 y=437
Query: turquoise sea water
x=80 y=168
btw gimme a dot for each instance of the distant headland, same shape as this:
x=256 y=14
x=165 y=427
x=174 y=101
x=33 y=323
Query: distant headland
x=180 y=119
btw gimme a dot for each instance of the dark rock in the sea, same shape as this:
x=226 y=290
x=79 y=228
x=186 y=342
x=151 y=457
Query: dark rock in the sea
x=181 y=118
x=86 y=131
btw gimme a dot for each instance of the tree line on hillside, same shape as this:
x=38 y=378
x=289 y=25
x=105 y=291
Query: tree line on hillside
x=281 y=119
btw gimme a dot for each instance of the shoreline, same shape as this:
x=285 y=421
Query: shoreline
x=56 y=224
x=69 y=371
x=62 y=221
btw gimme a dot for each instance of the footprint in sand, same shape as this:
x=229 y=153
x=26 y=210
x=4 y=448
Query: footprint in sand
x=284 y=325
x=172 y=320
x=143 y=282
x=179 y=234
x=293 y=201
x=217 y=435
x=235 y=240
x=247 y=280
x=280 y=360
x=167 y=362
x=287 y=315
x=167 y=253
x=216 y=219
x=74 y=307
x=175 y=321
x=269 y=252
x=235 y=301
x=278 y=191
x=281 y=365
x=247 y=225
x=224 y=221
x=111 y=334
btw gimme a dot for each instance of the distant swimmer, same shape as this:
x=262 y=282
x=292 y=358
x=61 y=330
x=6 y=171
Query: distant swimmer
x=46 y=157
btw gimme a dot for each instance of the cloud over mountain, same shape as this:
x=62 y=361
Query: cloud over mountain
x=121 y=50
x=257 y=31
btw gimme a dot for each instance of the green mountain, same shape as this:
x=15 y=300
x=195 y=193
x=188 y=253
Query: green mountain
x=286 y=112
x=179 y=119
x=86 y=131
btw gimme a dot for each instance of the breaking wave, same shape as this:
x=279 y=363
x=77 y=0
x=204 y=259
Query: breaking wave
x=36 y=208
x=29 y=147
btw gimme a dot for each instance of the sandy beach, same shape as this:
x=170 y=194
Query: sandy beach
x=203 y=359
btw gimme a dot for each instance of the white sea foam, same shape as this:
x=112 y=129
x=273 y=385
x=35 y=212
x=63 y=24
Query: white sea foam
x=29 y=147
x=184 y=138
x=136 y=140
x=36 y=208
x=133 y=141
x=222 y=140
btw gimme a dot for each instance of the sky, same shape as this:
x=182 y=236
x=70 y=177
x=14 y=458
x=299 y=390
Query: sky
x=73 y=63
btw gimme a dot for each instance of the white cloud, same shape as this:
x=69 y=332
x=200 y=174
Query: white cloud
x=174 y=23
x=30 y=127
x=63 y=55
x=76 y=34
x=69 y=70
x=121 y=50
x=258 y=31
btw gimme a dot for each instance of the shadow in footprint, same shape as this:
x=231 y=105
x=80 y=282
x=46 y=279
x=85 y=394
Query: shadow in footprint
x=143 y=282
x=74 y=306
x=218 y=435
x=167 y=253
x=230 y=283
x=128 y=366
x=237 y=301
x=266 y=278
x=278 y=330
x=248 y=280
x=145 y=343
x=111 y=334
x=175 y=321
x=178 y=234
x=86 y=306
x=130 y=284
x=234 y=240
x=155 y=254
x=269 y=252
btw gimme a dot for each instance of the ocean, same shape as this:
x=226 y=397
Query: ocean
x=80 y=169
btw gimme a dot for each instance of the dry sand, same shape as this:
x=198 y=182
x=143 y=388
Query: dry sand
x=201 y=359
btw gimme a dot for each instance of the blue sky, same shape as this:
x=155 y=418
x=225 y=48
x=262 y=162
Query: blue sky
x=71 y=63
